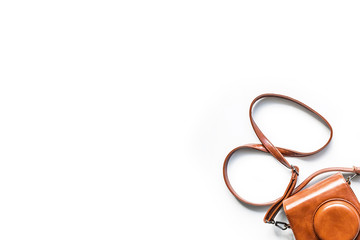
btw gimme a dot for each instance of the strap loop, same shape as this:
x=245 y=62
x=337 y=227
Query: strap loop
x=277 y=152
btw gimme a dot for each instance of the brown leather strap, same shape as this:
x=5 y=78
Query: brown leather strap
x=275 y=208
x=355 y=170
x=280 y=153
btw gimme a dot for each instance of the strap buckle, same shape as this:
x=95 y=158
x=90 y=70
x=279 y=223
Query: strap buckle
x=282 y=225
x=294 y=170
x=348 y=179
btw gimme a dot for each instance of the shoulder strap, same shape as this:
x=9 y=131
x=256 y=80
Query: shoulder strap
x=280 y=154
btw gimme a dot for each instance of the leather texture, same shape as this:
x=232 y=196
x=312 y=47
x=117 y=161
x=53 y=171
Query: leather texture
x=336 y=219
x=280 y=154
x=326 y=210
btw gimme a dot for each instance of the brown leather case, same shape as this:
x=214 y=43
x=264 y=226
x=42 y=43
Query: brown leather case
x=327 y=210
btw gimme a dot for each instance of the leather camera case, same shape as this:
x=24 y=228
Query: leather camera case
x=326 y=210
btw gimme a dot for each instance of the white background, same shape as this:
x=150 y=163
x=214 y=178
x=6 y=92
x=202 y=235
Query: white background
x=115 y=116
